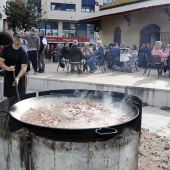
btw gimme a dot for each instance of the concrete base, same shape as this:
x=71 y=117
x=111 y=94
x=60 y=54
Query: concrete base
x=153 y=97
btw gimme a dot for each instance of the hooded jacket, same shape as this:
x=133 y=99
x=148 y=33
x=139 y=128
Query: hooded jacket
x=33 y=42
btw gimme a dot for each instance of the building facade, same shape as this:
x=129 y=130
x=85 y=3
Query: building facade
x=2 y=20
x=60 y=20
x=137 y=23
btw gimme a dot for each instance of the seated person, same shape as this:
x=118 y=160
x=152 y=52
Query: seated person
x=75 y=55
x=157 y=51
x=87 y=52
x=65 y=51
x=96 y=57
x=115 y=51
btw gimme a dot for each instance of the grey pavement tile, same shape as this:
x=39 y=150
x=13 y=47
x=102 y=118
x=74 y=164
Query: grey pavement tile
x=152 y=117
x=158 y=124
x=118 y=78
x=149 y=109
x=163 y=112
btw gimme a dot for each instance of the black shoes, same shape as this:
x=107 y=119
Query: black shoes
x=41 y=71
x=79 y=71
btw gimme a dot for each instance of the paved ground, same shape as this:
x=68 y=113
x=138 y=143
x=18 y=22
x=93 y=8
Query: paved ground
x=154 y=118
x=136 y=79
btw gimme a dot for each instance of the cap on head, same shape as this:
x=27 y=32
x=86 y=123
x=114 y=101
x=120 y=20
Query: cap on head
x=33 y=29
x=75 y=42
x=17 y=34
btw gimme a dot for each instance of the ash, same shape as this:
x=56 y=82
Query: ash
x=154 y=152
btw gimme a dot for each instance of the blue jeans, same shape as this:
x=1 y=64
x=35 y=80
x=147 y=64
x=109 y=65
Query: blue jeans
x=91 y=62
x=41 y=62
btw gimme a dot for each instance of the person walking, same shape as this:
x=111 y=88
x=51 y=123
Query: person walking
x=14 y=61
x=33 y=46
x=42 y=52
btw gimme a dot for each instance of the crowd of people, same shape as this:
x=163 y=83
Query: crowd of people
x=30 y=48
x=92 y=54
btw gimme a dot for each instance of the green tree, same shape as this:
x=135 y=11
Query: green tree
x=22 y=15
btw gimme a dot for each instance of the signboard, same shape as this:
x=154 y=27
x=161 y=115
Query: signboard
x=63 y=39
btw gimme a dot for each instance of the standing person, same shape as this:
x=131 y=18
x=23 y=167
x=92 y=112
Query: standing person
x=65 y=51
x=42 y=52
x=122 y=45
x=33 y=46
x=14 y=59
x=146 y=49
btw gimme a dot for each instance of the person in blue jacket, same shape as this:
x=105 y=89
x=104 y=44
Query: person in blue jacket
x=96 y=57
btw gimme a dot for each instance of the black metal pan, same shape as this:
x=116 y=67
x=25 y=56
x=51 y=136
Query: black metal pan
x=79 y=134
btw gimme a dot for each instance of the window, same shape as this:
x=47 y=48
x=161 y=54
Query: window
x=55 y=6
x=90 y=31
x=85 y=31
x=69 y=30
x=51 y=29
x=70 y=7
x=63 y=7
x=87 y=9
x=107 y=1
x=78 y=30
x=88 y=6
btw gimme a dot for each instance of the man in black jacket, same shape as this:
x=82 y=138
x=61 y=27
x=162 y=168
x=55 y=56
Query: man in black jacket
x=42 y=52
x=75 y=55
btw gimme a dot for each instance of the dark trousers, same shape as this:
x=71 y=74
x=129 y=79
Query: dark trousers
x=33 y=57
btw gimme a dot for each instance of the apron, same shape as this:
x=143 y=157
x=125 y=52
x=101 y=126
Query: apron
x=9 y=89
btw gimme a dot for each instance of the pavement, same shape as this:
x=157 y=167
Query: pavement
x=156 y=120
x=136 y=79
x=153 y=118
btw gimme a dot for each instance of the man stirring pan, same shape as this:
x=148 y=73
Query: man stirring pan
x=14 y=59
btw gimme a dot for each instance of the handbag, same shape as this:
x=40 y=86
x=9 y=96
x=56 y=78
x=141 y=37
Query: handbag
x=62 y=65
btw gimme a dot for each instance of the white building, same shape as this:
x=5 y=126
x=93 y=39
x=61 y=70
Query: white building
x=2 y=21
x=60 y=20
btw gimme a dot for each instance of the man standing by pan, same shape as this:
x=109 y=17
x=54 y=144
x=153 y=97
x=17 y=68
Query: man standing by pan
x=42 y=52
x=14 y=61
x=33 y=46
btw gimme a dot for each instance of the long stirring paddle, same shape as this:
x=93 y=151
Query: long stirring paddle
x=16 y=87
